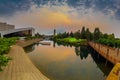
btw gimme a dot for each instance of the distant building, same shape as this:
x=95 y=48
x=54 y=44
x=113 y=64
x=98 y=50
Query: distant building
x=5 y=26
x=7 y=30
x=54 y=32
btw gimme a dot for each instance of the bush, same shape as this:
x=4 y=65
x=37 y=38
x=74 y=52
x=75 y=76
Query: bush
x=3 y=61
x=110 y=42
x=5 y=44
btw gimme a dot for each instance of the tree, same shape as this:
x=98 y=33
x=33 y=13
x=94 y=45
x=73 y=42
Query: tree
x=111 y=36
x=88 y=34
x=83 y=33
x=64 y=35
x=54 y=32
x=38 y=35
x=104 y=36
x=71 y=34
x=96 y=34
x=77 y=34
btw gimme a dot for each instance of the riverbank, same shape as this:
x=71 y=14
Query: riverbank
x=21 y=67
x=110 y=54
x=24 y=43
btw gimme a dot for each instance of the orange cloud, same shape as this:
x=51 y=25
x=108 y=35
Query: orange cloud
x=42 y=17
x=47 y=18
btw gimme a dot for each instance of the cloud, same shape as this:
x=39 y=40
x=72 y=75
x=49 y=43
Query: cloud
x=44 y=17
x=10 y=7
x=64 y=17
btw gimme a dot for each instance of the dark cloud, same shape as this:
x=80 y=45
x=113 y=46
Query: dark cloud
x=104 y=6
x=9 y=7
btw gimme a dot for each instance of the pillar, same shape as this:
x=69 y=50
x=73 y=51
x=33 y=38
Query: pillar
x=33 y=32
x=107 y=52
x=99 y=46
x=1 y=35
x=117 y=51
x=54 y=32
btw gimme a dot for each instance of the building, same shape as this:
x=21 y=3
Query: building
x=5 y=26
x=7 y=30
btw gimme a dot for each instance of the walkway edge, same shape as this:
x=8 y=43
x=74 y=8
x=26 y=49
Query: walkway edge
x=115 y=73
x=21 y=67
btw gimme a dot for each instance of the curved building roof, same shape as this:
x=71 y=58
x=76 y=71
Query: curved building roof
x=15 y=30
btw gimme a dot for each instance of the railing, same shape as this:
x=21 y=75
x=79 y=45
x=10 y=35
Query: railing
x=111 y=54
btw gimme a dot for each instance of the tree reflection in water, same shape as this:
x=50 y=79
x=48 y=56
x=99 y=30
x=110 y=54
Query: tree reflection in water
x=30 y=48
x=101 y=62
x=83 y=52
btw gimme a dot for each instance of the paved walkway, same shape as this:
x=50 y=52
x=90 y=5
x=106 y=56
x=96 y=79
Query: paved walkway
x=20 y=67
x=24 y=43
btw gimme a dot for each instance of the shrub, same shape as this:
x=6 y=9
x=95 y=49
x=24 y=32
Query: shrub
x=5 y=44
x=3 y=61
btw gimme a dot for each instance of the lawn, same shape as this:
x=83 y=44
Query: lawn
x=72 y=40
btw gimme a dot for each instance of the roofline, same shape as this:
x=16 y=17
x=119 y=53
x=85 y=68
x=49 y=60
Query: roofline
x=15 y=30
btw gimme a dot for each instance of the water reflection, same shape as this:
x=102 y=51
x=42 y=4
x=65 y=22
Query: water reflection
x=101 y=62
x=69 y=63
x=30 y=48
x=82 y=51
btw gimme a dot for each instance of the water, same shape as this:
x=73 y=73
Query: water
x=69 y=63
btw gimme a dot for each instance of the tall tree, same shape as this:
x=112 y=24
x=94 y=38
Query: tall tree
x=71 y=34
x=54 y=32
x=77 y=34
x=88 y=34
x=96 y=33
x=83 y=33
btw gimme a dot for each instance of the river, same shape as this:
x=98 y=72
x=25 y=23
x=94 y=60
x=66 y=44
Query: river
x=59 y=62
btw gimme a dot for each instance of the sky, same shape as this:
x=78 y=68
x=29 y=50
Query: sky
x=62 y=15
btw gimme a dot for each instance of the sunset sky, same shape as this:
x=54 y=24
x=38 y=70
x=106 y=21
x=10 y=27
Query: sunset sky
x=62 y=15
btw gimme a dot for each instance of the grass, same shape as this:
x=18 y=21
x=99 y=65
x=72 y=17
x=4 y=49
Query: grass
x=72 y=41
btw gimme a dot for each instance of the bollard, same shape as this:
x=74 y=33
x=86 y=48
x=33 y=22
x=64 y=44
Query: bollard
x=99 y=46
x=107 y=52
x=117 y=51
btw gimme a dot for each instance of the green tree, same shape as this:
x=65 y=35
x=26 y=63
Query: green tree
x=64 y=35
x=88 y=34
x=71 y=34
x=97 y=34
x=111 y=36
x=104 y=36
x=83 y=33
x=77 y=34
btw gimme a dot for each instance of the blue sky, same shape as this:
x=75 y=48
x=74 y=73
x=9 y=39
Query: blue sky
x=63 y=15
